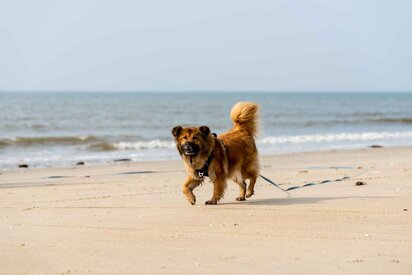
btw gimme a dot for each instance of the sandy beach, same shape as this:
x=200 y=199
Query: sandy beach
x=131 y=218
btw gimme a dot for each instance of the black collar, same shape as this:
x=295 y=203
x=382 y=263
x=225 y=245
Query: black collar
x=203 y=172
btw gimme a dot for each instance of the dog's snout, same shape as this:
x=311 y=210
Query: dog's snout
x=190 y=148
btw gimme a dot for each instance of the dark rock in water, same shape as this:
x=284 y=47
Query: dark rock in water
x=376 y=146
x=122 y=160
x=359 y=183
x=23 y=165
x=80 y=163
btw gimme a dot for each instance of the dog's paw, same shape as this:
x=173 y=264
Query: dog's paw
x=190 y=197
x=249 y=194
x=210 y=202
x=192 y=200
x=240 y=199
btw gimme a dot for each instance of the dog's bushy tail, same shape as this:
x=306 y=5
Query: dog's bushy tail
x=245 y=115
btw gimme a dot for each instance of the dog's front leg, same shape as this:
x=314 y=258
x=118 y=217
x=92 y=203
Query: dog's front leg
x=188 y=187
x=219 y=186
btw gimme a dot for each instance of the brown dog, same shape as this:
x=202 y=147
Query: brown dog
x=232 y=155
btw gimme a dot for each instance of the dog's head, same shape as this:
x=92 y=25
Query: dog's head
x=192 y=141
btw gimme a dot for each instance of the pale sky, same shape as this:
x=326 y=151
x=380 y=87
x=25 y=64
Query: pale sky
x=301 y=45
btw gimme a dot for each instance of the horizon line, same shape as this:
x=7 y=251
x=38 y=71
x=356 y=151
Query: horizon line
x=205 y=91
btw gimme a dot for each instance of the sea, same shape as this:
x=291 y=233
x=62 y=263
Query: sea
x=60 y=129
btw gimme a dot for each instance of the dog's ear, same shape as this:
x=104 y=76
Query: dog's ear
x=176 y=131
x=204 y=130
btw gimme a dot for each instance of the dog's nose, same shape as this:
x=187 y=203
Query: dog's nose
x=189 y=146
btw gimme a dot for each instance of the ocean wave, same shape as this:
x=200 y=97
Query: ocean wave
x=3 y=143
x=90 y=142
x=339 y=137
x=55 y=140
x=335 y=137
x=152 y=144
x=351 y=120
x=136 y=145
x=103 y=146
x=93 y=143
x=403 y=120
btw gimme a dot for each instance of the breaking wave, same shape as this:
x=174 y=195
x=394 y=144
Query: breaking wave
x=93 y=143
x=317 y=138
x=32 y=141
x=404 y=120
x=137 y=145
x=335 y=137
x=153 y=144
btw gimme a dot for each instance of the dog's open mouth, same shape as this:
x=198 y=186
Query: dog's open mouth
x=190 y=149
x=190 y=152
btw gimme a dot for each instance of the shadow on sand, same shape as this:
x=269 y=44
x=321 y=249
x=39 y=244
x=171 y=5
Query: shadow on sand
x=292 y=201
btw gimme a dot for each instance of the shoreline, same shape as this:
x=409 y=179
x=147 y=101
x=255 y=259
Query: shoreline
x=177 y=158
x=132 y=217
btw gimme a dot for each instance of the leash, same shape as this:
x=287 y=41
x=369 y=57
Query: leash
x=310 y=183
x=271 y=182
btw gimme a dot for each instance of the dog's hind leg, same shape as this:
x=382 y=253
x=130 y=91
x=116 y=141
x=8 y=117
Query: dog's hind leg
x=242 y=191
x=219 y=186
x=250 y=188
x=238 y=178
x=188 y=187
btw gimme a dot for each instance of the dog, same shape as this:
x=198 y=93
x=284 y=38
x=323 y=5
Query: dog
x=232 y=155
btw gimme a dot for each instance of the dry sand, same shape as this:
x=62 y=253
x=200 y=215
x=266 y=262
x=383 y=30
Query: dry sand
x=101 y=220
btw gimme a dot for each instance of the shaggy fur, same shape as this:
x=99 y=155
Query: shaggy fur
x=234 y=154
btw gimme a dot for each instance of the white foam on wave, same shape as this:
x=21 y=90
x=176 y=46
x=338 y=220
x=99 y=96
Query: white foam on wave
x=335 y=137
x=138 y=145
x=316 y=138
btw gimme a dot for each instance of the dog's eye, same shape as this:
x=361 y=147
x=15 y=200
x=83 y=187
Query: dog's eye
x=195 y=138
x=184 y=137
